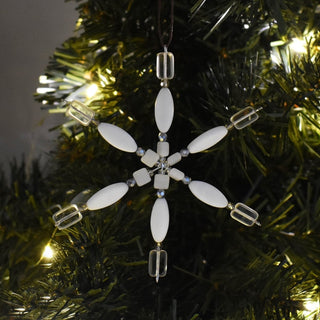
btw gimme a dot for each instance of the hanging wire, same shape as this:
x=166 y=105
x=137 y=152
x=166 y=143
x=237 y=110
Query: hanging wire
x=170 y=31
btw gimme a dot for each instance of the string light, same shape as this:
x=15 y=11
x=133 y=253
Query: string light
x=312 y=309
x=92 y=90
x=298 y=45
x=48 y=253
x=282 y=50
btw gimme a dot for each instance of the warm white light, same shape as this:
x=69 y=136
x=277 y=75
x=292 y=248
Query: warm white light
x=275 y=58
x=298 y=45
x=277 y=43
x=312 y=307
x=47 y=252
x=45 y=90
x=91 y=90
x=44 y=79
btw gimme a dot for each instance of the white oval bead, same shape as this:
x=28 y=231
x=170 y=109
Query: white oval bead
x=207 y=139
x=159 y=221
x=107 y=196
x=117 y=137
x=163 y=110
x=176 y=174
x=208 y=194
x=173 y=159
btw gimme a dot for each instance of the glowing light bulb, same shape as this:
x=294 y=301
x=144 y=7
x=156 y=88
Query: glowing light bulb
x=311 y=308
x=91 y=90
x=47 y=252
x=43 y=79
x=45 y=90
x=298 y=45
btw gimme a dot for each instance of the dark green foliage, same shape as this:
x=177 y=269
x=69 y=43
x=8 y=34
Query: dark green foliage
x=218 y=269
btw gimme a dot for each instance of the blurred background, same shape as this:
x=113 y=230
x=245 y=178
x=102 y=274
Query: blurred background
x=30 y=31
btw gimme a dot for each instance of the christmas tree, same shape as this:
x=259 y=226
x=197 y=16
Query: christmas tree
x=231 y=58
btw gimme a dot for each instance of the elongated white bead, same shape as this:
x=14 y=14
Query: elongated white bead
x=173 y=159
x=117 y=137
x=208 y=194
x=159 y=222
x=163 y=110
x=176 y=174
x=107 y=196
x=207 y=139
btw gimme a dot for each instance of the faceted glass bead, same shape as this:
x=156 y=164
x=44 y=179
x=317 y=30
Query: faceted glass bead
x=160 y=194
x=184 y=153
x=80 y=112
x=165 y=65
x=67 y=217
x=186 y=180
x=244 y=118
x=158 y=262
x=244 y=214
x=131 y=182
x=140 y=152
x=162 y=136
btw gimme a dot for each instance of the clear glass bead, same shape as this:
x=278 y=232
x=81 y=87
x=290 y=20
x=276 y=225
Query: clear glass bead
x=186 y=180
x=160 y=194
x=244 y=214
x=140 y=152
x=244 y=118
x=158 y=262
x=131 y=182
x=162 y=136
x=165 y=65
x=79 y=111
x=184 y=153
x=67 y=217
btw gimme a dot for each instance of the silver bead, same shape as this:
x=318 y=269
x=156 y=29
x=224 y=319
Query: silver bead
x=184 y=153
x=140 y=152
x=162 y=136
x=160 y=194
x=131 y=182
x=186 y=180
